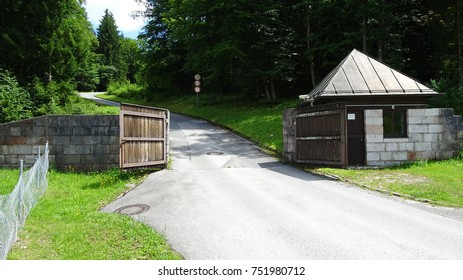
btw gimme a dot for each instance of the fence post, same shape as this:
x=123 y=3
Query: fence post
x=21 y=169
x=39 y=179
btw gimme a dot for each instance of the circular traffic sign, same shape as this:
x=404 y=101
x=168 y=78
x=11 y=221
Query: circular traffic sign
x=197 y=89
x=197 y=77
x=197 y=83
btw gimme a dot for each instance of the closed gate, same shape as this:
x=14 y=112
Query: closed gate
x=143 y=136
x=321 y=135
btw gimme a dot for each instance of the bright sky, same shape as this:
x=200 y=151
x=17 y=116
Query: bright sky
x=121 y=10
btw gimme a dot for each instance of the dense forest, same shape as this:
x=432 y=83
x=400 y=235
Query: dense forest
x=266 y=49
x=49 y=50
x=278 y=48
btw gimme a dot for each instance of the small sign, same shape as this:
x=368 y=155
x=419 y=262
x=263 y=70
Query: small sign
x=197 y=89
x=351 y=117
x=197 y=83
x=197 y=77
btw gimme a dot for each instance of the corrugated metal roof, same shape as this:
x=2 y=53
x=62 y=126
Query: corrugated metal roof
x=359 y=74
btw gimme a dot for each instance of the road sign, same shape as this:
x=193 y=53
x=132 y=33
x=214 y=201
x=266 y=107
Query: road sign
x=197 y=84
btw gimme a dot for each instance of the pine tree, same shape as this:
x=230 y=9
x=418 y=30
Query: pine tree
x=109 y=47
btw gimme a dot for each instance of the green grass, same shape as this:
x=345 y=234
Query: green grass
x=260 y=122
x=79 y=106
x=88 y=107
x=125 y=89
x=439 y=182
x=8 y=181
x=66 y=224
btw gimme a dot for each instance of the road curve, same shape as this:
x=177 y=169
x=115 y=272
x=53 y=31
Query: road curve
x=93 y=96
x=225 y=199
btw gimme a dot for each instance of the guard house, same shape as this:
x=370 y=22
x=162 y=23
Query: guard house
x=366 y=113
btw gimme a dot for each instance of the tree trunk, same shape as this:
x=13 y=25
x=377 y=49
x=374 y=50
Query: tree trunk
x=257 y=90
x=267 y=92
x=311 y=60
x=380 y=50
x=272 y=90
x=382 y=17
x=364 y=34
x=459 y=44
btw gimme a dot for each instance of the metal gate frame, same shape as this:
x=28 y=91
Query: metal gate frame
x=314 y=143
x=137 y=142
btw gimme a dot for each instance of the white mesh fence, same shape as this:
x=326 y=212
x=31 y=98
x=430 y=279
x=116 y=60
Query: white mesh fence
x=15 y=207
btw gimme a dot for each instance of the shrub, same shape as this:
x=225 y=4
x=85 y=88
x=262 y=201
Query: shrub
x=53 y=98
x=125 y=89
x=15 y=103
x=453 y=97
x=107 y=73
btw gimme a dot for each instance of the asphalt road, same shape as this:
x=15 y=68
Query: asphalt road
x=225 y=199
x=93 y=96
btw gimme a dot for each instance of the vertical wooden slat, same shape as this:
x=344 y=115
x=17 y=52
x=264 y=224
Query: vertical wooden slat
x=142 y=129
x=321 y=135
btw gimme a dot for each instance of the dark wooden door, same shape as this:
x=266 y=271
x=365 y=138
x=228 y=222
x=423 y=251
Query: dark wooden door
x=321 y=135
x=144 y=138
x=355 y=137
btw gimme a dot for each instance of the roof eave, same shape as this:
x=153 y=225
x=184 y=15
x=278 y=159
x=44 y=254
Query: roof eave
x=343 y=87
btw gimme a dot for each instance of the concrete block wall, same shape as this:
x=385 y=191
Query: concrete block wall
x=432 y=134
x=82 y=143
x=289 y=135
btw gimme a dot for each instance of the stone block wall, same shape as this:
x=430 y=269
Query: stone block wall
x=82 y=143
x=432 y=134
x=289 y=135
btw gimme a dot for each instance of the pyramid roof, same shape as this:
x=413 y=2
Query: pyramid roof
x=361 y=75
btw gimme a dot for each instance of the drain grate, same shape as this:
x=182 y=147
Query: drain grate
x=132 y=209
x=215 y=153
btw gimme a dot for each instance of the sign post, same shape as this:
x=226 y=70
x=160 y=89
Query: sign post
x=197 y=88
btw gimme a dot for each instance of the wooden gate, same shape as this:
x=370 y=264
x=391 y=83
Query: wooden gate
x=144 y=136
x=321 y=135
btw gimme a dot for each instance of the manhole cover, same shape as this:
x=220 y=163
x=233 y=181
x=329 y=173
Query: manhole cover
x=132 y=209
x=215 y=153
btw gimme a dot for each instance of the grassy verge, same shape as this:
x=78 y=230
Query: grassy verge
x=438 y=182
x=260 y=122
x=66 y=223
